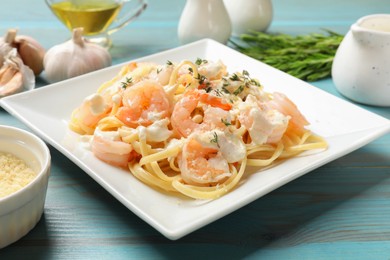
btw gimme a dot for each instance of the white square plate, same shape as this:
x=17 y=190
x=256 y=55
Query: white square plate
x=346 y=127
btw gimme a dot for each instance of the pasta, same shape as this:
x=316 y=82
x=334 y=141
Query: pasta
x=191 y=128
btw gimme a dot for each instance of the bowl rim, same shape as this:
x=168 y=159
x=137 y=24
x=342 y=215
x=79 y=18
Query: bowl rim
x=45 y=165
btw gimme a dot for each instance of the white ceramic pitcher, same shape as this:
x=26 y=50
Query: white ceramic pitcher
x=204 y=19
x=361 y=67
x=247 y=15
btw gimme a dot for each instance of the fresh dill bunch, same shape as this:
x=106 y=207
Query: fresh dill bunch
x=308 y=57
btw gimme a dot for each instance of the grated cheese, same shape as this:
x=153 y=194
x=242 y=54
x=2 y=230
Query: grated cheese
x=14 y=174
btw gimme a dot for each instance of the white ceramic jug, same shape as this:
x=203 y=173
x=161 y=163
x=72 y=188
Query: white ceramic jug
x=361 y=67
x=247 y=15
x=204 y=19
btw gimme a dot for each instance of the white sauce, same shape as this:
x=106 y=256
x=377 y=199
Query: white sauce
x=108 y=135
x=96 y=103
x=116 y=99
x=158 y=131
x=211 y=69
x=231 y=147
x=155 y=116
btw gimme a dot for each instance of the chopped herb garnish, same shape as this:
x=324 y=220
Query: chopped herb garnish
x=243 y=77
x=248 y=80
x=218 y=92
x=224 y=89
x=190 y=70
x=255 y=82
x=159 y=70
x=215 y=139
x=127 y=82
x=234 y=77
x=226 y=122
x=169 y=63
x=201 y=79
x=199 y=61
x=239 y=90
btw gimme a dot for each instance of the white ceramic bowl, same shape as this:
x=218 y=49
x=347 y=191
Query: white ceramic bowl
x=21 y=210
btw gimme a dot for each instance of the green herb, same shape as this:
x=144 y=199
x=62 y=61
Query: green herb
x=208 y=89
x=239 y=90
x=234 y=77
x=215 y=139
x=218 y=92
x=308 y=57
x=127 y=82
x=226 y=122
x=243 y=77
x=169 y=63
x=201 y=79
x=248 y=80
x=224 y=89
x=245 y=73
x=199 y=61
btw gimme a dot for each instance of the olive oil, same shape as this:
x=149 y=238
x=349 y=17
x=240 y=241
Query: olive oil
x=95 y=18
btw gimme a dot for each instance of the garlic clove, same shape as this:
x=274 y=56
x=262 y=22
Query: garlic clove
x=29 y=49
x=6 y=74
x=11 y=80
x=31 y=54
x=74 y=57
x=4 y=49
x=14 y=75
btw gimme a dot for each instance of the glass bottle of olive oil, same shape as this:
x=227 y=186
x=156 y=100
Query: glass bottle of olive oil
x=95 y=17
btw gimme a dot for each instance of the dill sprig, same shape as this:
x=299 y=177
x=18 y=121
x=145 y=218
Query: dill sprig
x=308 y=57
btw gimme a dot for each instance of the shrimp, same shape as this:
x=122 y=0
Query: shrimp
x=161 y=74
x=214 y=101
x=279 y=123
x=90 y=112
x=201 y=165
x=285 y=106
x=144 y=103
x=263 y=124
x=215 y=118
x=258 y=126
x=131 y=74
x=212 y=70
x=182 y=121
x=112 y=90
x=108 y=147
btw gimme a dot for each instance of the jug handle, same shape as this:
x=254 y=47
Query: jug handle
x=122 y=21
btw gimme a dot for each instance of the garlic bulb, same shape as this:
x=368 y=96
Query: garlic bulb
x=74 y=57
x=30 y=51
x=14 y=75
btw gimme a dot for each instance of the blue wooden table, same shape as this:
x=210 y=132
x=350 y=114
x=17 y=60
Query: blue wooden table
x=339 y=211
